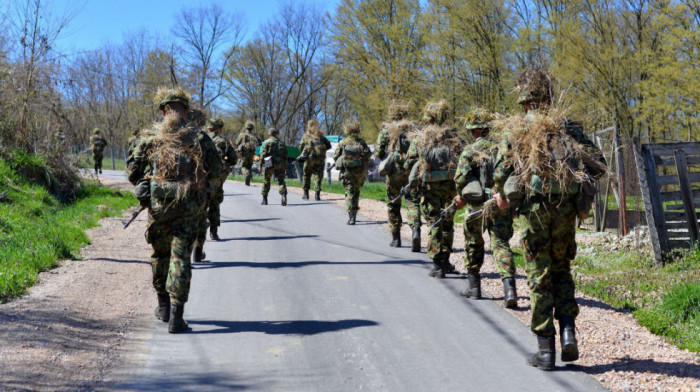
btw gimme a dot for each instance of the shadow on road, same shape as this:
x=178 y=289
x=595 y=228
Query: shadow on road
x=272 y=238
x=641 y=366
x=121 y=260
x=305 y=204
x=248 y=220
x=295 y=327
x=297 y=264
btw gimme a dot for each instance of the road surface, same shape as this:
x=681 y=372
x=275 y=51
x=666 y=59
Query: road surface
x=293 y=299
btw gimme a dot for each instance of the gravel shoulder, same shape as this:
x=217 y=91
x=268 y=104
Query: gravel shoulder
x=82 y=326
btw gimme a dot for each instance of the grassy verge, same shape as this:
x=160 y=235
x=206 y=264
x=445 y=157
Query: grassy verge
x=36 y=230
x=666 y=300
x=370 y=190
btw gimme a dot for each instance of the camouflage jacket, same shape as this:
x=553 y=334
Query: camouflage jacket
x=321 y=142
x=351 y=140
x=472 y=161
x=226 y=152
x=99 y=143
x=247 y=143
x=275 y=148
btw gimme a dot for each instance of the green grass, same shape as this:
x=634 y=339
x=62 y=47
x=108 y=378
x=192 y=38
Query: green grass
x=370 y=190
x=665 y=299
x=36 y=230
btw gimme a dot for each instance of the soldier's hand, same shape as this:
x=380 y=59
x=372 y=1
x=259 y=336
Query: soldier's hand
x=500 y=202
x=459 y=202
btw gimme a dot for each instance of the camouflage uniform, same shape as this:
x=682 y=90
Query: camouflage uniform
x=395 y=181
x=548 y=239
x=314 y=153
x=229 y=159
x=275 y=149
x=353 y=167
x=247 y=143
x=99 y=143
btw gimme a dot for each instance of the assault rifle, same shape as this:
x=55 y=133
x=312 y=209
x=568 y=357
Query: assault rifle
x=401 y=194
x=450 y=212
x=133 y=216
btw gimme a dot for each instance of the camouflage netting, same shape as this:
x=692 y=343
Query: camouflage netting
x=398 y=109
x=352 y=127
x=534 y=85
x=173 y=139
x=478 y=118
x=435 y=136
x=541 y=146
x=165 y=95
x=398 y=128
x=249 y=125
x=436 y=111
x=197 y=117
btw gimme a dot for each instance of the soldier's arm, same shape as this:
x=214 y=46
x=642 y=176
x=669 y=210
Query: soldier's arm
x=283 y=151
x=411 y=156
x=326 y=142
x=136 y=167
x=338 y=151
x=503 y=168
x=212 y=159
x=232 y=156
x=366 y=153
x=381 y=144
x=302 y=142
x=464 y=170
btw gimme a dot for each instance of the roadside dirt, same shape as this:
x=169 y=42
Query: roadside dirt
x=89 y=317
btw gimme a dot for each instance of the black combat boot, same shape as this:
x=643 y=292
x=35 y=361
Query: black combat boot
x=177 y=324
x=306 y=195
x=544 y=357
x=163 y=308
x=284 y=200
x=567 y=338
x=437 y=271
x=317 y=197
x=247 y=180
x=448 y=267
x=415 y=240
x=214 y=233
x=395 y=239
x=352 y=217
x=264 y=202
x=198 y=254
x=510 y=298
x=473 y=289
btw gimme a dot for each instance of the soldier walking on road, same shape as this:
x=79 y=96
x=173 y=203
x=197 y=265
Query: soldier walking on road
x=169 y=165
x=313 y=147
x=432 y=159
x=392 y=146
x=99 y=143
x=351 y=157
x=474 y=180
x=273 y=156
x=228 y=160
x=551 y=194
x=214 y=173
x=247 y=143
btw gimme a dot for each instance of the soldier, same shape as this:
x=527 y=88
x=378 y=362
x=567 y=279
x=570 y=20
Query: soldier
x=273 y=155
x=168 y=162
x=214 y=172
x=98 y=147
x=549 y=210
x=432 y=161
x=247 y=143
x=313 y=148
x=131 y=143
x=392 y=146
x=474 y=180
x=351 y=157
x=228 y=156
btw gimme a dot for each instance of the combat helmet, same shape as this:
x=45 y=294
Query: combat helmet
x=96 y=131
x=478 y=118
x=398 y=109
x=273 y=131
x=249 y=125
x=534 y=85
x=215 y=123
x=165 y=96
x=436 y=111
x=352 y=127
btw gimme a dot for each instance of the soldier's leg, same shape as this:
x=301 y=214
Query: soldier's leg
x=537 y=248
x=473 y=246
x=159 y=235
x=393 y=209
x=214 y=211
x=318 y=173
x=413 y=207
x=358 y=181
x=308 y=171
x=267 y=179
x=281 y=181
x=430 y=208
x=501 y=231
x=180 y=271
x=563 y=251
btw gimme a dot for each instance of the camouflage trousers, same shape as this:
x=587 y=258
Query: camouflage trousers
x=352 y=182
x=214 y=210
x=280 y=174
x=98 y=157
x=202 y=222
x=412 y=197
x=313 y=168
x=500 y=229
x=434 y=197
x=550 y=245
x=246 y=165
x=171 y=231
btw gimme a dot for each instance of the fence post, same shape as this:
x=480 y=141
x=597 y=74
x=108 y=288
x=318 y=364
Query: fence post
x=651 y=205
x=687 y=195
x=622 y=227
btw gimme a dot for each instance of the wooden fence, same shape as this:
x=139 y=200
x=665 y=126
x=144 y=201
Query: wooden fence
x=671 y=192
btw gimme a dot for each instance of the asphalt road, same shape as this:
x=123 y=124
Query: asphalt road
x=292 y=299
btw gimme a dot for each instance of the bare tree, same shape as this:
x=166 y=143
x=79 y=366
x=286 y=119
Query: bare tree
x=204 y=31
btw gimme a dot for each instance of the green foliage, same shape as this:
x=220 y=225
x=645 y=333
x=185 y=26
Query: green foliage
x=36 y=230
x=664 y=299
